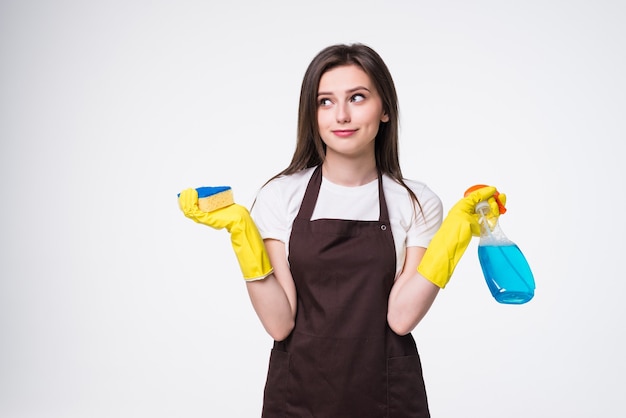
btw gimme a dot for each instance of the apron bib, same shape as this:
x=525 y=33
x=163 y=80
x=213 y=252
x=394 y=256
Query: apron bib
x=342 y=360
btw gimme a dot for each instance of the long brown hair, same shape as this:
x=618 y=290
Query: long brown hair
x=310 y=148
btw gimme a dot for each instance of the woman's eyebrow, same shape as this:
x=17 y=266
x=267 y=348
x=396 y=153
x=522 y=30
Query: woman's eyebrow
x=352 y=90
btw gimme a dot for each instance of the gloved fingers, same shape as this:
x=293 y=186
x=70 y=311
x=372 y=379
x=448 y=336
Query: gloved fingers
x=502 y=198
x=497 y=204
x=188 y=202
x=494 y=208
x=467 y=204
x=482 y=194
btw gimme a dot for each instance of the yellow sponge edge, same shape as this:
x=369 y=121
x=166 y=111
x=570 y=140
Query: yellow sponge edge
x=216 y=201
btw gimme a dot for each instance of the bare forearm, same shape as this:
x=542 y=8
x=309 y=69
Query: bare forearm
x=272 y=306
x=410 y=299
x=411 y=295
x=274 y=298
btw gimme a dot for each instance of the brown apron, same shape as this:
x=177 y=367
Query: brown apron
x=342 y=360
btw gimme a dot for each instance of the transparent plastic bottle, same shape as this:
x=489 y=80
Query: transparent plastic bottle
x=504 y=266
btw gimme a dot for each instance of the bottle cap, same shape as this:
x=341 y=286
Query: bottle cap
x=495 y=195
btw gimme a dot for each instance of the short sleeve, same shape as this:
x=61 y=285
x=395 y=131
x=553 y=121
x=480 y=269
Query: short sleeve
x=426 y=222
x=269 y=212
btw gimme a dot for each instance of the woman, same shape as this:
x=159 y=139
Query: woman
x=332 y=258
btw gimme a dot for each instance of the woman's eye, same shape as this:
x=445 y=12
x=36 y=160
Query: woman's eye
x=357 y=97
x=324 y=102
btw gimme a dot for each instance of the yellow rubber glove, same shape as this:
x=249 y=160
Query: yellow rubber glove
x=454 y=235
x=244 y=235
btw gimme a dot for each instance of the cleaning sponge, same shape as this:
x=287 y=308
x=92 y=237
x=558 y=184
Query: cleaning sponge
x=213 y=198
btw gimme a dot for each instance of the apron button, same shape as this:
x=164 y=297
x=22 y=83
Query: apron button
x=383 y=227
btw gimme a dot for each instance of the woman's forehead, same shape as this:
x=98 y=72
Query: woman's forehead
x=344 y=78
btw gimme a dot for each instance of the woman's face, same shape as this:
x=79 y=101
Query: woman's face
x=349 y=111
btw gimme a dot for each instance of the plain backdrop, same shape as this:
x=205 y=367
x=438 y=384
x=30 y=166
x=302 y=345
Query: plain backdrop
x=113 y=304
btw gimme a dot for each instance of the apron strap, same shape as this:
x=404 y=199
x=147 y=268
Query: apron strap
x=382 y=203
x=310 y=196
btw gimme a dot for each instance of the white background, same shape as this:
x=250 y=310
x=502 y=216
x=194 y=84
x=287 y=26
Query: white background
x=113 y=304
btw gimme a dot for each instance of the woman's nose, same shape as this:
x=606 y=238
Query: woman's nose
x=343 y=113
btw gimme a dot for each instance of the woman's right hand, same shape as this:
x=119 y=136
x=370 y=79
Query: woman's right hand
x=244 y=235
x=454 y=235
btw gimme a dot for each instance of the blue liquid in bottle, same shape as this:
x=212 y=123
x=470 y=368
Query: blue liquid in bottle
x=505 y=268
x=506 y=272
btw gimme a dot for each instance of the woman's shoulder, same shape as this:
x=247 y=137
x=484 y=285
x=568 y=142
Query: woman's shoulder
x=421 y=189
x=430 y=205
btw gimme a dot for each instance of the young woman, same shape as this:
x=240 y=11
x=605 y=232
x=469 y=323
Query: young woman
x=335 y=257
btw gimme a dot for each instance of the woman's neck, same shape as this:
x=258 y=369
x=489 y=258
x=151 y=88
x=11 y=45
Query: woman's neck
x=348 y=172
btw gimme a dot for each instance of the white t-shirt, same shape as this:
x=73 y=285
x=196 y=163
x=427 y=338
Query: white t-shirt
x=277 y=205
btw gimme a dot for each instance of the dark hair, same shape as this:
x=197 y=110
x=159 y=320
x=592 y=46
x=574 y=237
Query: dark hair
x=310 y=148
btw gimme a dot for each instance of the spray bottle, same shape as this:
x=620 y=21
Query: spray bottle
x=504 y=266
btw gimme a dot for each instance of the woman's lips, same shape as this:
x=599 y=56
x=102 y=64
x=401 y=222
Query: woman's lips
x=344 y=133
